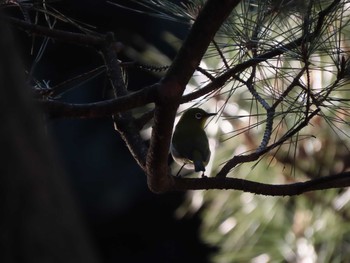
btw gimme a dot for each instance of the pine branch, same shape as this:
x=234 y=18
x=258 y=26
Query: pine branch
x=58 y=109
x=326 y=182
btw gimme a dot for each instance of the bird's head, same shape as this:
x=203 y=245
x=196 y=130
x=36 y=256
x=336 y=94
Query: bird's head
x=195 y=117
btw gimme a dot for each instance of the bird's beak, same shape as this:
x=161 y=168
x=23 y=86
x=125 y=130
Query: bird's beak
x=211 y=114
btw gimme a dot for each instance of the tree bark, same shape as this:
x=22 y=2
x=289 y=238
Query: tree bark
x=39 y=220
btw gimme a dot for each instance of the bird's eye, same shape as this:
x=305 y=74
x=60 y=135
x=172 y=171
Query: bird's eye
x=198 y=116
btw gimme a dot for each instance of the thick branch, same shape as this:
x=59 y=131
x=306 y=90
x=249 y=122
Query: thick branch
x=173 y=85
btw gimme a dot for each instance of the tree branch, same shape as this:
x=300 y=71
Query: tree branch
x=256 y=155
x=124 y=122
x=168 y=94
x=57 y=109
x=173 y=85
x=326 y=182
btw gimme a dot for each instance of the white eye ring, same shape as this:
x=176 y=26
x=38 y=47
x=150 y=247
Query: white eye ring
x=198 y=116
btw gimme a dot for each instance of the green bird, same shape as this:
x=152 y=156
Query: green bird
x=189 y=145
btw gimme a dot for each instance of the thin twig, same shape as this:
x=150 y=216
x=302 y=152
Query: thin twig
x=65 y=36
x=220 y=54
x=69 y=84
x=256 y=155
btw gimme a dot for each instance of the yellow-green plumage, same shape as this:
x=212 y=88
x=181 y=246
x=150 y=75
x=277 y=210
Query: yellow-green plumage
x=189 y=144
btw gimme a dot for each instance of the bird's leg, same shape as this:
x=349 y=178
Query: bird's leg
x=178 y=173
x=203 y=175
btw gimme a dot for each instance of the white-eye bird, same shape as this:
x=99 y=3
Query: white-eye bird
x=189 y=145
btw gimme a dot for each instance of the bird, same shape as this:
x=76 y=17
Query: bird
x=189 y=144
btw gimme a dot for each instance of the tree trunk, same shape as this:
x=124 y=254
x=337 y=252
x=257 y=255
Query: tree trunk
x=39 y=221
